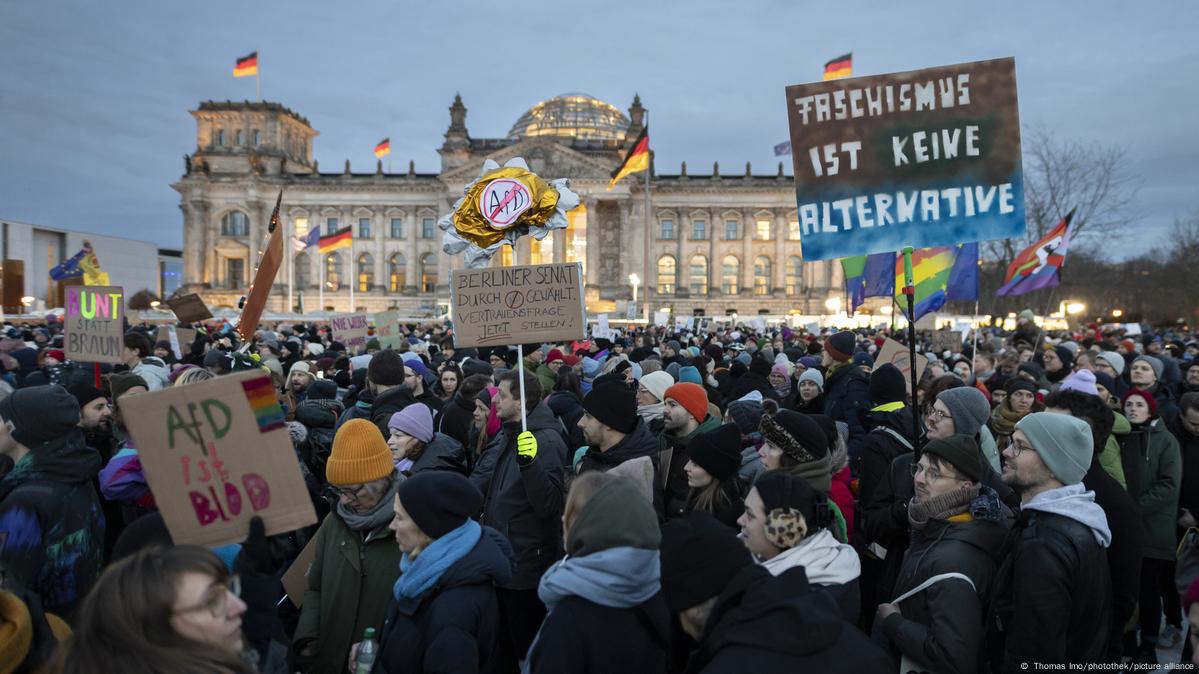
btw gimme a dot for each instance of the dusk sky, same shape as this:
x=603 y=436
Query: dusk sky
x=94 y=96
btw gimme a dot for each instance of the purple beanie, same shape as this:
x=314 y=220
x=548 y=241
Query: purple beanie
x=415 y=420
x=1083 y=380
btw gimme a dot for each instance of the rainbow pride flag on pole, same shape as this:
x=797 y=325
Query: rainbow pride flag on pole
x=940 y=274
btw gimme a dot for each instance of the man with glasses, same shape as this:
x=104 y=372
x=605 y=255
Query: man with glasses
x=957 y=526
x=356 y=560
x=1054 y=603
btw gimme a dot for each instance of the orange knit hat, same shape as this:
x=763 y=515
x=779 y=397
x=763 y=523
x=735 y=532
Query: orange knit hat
x=692 y=397
x=359 y=455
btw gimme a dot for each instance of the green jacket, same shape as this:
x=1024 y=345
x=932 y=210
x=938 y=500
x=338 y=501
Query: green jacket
x=349 y=587
x=1109 y=458
x=545 y=375
x=1156 y=492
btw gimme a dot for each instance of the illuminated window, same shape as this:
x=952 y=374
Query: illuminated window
x=761 y=275
x=763 y=230
x=333 y=272
x=428 y=272
x=698 y=282
x=301 y=226
x=793 y=230
x=536 y=252
x=366 y=272
x=666 y=275
x=505 y=256
x=794 y=275
x=397 y=269
x=730 y=275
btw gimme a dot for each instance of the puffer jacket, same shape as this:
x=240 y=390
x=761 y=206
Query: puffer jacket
x=523 y=499
x=443 y=453
x=889 y=437
x=1156 y=489
x=154 y=372
x=942 y=627
x=847 y=397
x=319 y=417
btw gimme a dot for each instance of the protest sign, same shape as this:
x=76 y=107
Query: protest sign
x=350 y=330
x=295 y=578
x=601 y=329
x=897 y=354
x=630 y=311
x=387 y=329
x=189 y=308
x=505 y=305
x=920 y=158
x=946 y=340
x=216 y=454
x=661 y=318
x=93 y=324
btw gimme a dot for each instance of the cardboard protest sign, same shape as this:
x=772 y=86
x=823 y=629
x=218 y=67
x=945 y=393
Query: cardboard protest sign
x=897 y=354
x=350 y=330
x=505 y=305
x=93 y=324
x=920 y=158
x=946 y=340
x=601 y=329
x=189 y=308
x=387 y=329
x=216 y=454
x=661 y=317
x=295 y=578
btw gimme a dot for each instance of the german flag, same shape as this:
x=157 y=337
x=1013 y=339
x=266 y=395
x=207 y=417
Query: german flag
x=636 y=160
x=246 y=66
x=842 y=66
x=383 y=148
x=342 y=238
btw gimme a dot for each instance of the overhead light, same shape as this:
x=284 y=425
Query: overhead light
x=1075 y=308
x=833 y=304
x=1116 y=313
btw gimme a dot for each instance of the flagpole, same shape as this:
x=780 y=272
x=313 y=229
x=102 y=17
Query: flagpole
x=291 y=271
x=353 y=277
x=321 y=264
x=646 y=255
x=257 y=78
x=909 y=289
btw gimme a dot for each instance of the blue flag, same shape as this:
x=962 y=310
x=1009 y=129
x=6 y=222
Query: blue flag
x=312 y=238
x=963 y=277
x=69 y=268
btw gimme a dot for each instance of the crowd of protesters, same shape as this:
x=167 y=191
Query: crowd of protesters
x=668 y=500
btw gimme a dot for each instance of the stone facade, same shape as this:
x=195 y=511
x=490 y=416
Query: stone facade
x=718 y=242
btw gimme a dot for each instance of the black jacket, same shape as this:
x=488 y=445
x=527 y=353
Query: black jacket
x=781 y=624
x=456 y=626
x=431 y=401
x=1188 y=446
x=942 y=626
x=1052 y=602
x=388 y=403
x=749 y=382
x=1124 y=553
x=582 y=636
x=443 y=453
x=524 y=499
x=641 y=442
x=847 y=397
x=569 y=410
x=888 y=437
x=456 y=419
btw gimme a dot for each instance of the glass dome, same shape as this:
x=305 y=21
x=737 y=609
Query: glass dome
x=572 y=116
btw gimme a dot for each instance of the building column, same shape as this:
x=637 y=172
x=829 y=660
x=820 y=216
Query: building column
x=748 y=230
x=411 y=276
x=592 y=242
x=778 y=268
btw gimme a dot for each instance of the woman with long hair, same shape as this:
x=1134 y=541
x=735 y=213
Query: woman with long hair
x=161 y=610
x=715 y=458
x=566 y=402
x=448 y=379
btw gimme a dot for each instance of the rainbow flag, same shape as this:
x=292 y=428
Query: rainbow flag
x=868 y=276
x=1039 y=265
x=260 y=393
x=939 y=274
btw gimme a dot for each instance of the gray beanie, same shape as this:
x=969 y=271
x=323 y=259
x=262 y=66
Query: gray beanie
x=813 y=375
x=968 y=407
x=1154 y=363
x=1115 y=360
x=1063 y=442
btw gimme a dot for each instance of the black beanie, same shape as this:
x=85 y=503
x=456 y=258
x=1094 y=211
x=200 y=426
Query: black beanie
x=386 y=369
x=699 y=557
x=760 y=366
x=1020 y=384
x=783 y=490
x=439 y=501
x=614 y=404
x=887 y=385
x=826 y=424
x=40 y=414
x=120 y=382
x=962 y=451
x=84 y=393
x=718 y=451
x=321 y=389
x=475 y=366
x=798 y=435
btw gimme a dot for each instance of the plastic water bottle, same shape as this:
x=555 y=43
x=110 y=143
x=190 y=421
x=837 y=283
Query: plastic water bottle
x=364 y=662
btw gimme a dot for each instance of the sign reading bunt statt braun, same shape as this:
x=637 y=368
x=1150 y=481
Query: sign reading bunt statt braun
x=507 y=305
x=93 y=324
x=921 y=158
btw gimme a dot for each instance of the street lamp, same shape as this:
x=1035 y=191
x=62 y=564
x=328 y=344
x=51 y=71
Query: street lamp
x=1116 y=313
x=635 y=280
x=1075 y=308
x=833 y=304
x=155 y=304
x=28 y=300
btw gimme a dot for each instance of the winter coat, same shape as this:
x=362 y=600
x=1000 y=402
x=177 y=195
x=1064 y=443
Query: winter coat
x=123 y=481
x=389 y=402
x=456 y=626
x=752 y=381
x=847 y=397
x=1053 y=598
x=523 y=500
x=781 y=625
x=942 y=627
x=349 y=587
x=840 y=492
x=429 y=399
x=1111 y=455
x=154 y=372
x=672 y=457
x=545 y=376
x=443 y=453
x=813 y=406
x=569 y=410
x=889 y=437
x=1156 y=493
x=51 y=526
x=1188 y=445
x=829 y=564
x=640 y=442
x=578 y=637
x=1124 y=553
x=727 y=514
x=456 y=419
x=319 y=417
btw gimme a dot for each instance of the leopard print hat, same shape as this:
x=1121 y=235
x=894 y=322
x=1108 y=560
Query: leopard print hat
x=793 y=508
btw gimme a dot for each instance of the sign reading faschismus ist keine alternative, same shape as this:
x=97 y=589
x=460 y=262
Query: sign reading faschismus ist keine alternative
x=921 y=158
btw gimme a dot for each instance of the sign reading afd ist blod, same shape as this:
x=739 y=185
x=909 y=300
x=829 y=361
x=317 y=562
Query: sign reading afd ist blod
x=920 y=158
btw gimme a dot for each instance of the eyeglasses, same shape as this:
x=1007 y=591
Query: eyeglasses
x=217 y=602
x=1018 y=446
x=351 y=493
x=931 y=474
x=937 y=415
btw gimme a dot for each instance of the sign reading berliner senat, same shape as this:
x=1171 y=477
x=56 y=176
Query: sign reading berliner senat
x=920 y=158
x=507 y=305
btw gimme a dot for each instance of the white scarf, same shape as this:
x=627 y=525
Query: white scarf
x=826 y=561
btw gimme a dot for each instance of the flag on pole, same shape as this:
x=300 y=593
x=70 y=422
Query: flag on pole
x=310 y=239
x=635 y=161
x=930 y=277
x=92 y=274
x=868 y=276
x=246 y=66
x=70 y=268
x=782 y=149
x=264 y=278
x=383 y=148
x=842 y=66
x=342 y=238
x=963 y=278
x=1039 y=266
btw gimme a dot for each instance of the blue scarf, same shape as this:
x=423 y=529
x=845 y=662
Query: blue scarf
x=617 y=577
x=418 y=577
